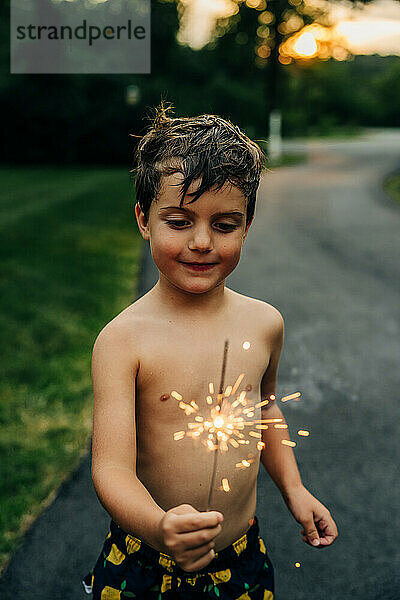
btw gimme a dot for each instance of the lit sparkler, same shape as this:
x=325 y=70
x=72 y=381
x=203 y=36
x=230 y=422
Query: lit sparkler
x=227 y=421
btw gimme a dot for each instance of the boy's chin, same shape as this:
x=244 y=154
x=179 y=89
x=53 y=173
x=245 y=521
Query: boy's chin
x=197 y=287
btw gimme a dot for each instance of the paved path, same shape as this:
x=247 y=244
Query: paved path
x=324 y=249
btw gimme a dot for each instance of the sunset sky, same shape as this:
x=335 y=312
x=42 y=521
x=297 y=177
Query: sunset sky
x=372 y=29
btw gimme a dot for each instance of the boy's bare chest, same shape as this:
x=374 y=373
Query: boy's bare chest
x=185 y=364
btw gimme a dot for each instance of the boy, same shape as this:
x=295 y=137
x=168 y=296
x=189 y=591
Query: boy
x=196 y=183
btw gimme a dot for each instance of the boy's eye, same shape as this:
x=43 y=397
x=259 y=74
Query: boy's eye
x=225 y=227
x=176 y=223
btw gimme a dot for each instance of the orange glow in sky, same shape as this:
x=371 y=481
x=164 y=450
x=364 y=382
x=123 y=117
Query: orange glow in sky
x=306 y=45
x=371 y=29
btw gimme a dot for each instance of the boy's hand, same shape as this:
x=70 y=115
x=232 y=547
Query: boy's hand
x=188 y=535
x=319 y=528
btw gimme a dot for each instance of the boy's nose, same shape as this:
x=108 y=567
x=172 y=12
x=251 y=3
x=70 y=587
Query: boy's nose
x=201 y=240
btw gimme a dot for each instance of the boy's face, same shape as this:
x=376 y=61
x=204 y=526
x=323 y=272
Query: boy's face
x=209 y=232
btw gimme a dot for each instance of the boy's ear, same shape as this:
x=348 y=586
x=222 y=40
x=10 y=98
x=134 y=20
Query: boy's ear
x=142 y=222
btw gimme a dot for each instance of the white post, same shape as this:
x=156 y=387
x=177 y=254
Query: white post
x=275 y=137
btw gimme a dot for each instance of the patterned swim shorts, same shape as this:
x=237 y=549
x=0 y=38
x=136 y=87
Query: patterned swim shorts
x=129 y=568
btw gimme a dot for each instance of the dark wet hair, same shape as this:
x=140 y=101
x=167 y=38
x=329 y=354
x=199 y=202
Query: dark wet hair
x=207 y=147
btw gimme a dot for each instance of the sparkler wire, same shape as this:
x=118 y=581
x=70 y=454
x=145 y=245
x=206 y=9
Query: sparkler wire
x=220 y=400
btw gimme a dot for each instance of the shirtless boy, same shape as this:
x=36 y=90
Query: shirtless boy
x=196 y=184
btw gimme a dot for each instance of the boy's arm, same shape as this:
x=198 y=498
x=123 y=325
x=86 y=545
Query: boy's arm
x=114 y=368
x=319 y=529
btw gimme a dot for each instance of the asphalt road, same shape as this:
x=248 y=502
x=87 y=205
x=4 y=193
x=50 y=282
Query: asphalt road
x=324 y=249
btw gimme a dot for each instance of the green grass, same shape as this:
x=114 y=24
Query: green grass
x=392 y=187
x=336 y=132
x=69 y=259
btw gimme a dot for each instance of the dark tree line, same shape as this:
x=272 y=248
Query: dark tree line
x=85 y=119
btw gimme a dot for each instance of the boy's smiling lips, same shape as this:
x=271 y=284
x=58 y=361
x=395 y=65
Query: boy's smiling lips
x=199 y=266
x=197 y=263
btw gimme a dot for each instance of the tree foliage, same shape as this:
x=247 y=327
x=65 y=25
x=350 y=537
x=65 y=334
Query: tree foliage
x=67 y=119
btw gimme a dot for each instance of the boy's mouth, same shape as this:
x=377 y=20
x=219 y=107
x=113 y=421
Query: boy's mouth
x=198 y=266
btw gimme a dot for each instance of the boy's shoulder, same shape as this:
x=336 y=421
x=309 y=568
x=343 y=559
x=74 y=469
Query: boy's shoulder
x=267 y=313
x=121 y=329
x=125 y=321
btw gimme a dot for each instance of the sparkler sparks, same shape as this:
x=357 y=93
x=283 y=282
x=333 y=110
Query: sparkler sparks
x=226 y=424
x=223 y=421
x=291 y=397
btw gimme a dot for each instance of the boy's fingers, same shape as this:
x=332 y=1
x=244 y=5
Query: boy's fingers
x=328 y=532
x=311 y=532
x=198 y=521
x=199 y=538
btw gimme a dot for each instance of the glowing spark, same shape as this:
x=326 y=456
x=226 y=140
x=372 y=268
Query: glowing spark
x=297 y=564
x=187 y=408
x=225 y=485
x=244 y=464
x=288 y=443
x=290 y=397
x=237 y=383
x=260 y=445
x=263 y=403
x=211 y=387
x=303 y=432
x=218 y=422
x=246 y=345
x=176 y=395
x=240 y=399
x=272 y=397
x=280 y=426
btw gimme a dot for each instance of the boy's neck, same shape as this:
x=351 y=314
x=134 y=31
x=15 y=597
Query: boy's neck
x=186 y=304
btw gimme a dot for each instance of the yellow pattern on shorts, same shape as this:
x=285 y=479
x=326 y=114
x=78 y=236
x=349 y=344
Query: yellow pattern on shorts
x=268 y=595
x=132 y=544
x=116 y=556
x=166 y=562
x=192 y=580
x=240 y=544
x=166 y=583
x=244 y=596
x=262 y=546
x=221 y=576
x=109 y=593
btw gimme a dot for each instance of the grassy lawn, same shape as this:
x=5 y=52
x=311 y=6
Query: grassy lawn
x=392 y=187
x=69 y=262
